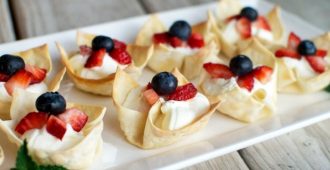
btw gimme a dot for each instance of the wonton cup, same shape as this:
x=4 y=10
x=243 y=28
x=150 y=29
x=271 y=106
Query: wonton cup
x=139 y=121
x=140 y=56
x=40 y=57
x=290 y=81
x=79 y=156
x=238 y=104
x=228 y=8
x=2 y=156
x=166 y=58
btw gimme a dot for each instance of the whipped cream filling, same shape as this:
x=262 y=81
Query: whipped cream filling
x=108 y=67
x=34 y=88
x=302 y=66
x=183 y=50
x=178 y=114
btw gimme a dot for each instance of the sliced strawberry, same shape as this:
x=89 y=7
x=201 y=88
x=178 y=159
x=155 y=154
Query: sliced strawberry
x=284 y=52
x=176 y=42
x=161 y=38
x=234 y=17
x=56 y=127
x=38 y=74
x=151 y=96
x=149 y=86
x=196 y=40
x=293 y=41
x=75 y=117
x=243 y=26
x=262 y=23
x=183 y=93
x=21 y=79
x=121 y=56
x=33 y=120
x=218 y=70
x=246 y=81
x=96 y=59
x=119 y=44
x=263 y=73
x=4 y=77
x=85 y=50
x=317 y=63
x=321 y=53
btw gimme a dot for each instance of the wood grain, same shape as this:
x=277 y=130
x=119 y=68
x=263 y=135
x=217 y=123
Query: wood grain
x=6 y=30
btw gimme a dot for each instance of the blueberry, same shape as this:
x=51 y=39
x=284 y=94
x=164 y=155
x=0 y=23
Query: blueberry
x=249 y=13
x=240 y=65
x=102 y=42
x=51 y=102
x=164 y=83
x=306 y=47
x=180 y=29
x=9 y=64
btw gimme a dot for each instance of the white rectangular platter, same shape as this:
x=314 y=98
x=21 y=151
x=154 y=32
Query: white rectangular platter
x=222 y=135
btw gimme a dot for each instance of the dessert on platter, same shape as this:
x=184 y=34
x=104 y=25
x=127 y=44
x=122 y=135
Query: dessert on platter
x=93 y=67
x=2 y=156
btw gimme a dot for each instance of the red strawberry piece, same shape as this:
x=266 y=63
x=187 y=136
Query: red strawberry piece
x=21 y=79
x=234 y=17
x=262 y=23
x=96 y=59
x=4 y=77
x=293 y=41
x=121 y=56
x=218 y=70
x=284 y=52
x=161 y=38
x=183 y=93
x=196 y=40
x=246 y=81
x=243 y=26
x=75 y=117
x=33 y=120
x=151 y=96
x=38 y=74
x=317 y=63
x=85 y=50
x=119 y=44
x=56 y=127
x=321 y=53
x=149 y=86
x=176 y=42
x=263 y=73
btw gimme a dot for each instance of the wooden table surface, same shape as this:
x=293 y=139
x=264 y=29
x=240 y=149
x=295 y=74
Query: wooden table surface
x=307 y=148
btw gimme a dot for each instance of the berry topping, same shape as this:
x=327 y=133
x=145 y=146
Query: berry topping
x=164 y=83
x=183 y=93
x=243 y=26
x=21 y=79
x=176 y=42
x=321 y=53
x=76 y=118
x=85 y=50
x=306 y=48
x=196 y=40
x=33 y=120
x=38 y=74
x=180 y=29
x=100 y=42
x=240 y=65
x=161 y=38
x=249 y=13
x=4 y=77
x=56 y=127
x=51 y=102
x=317 y=63
x=246 y=81
x=263 y=24
x=96 y=59
x=151 y=96
x=284 y=52
x=218 y=70
x=121 y=56
x=293 y=41
x=263 y=73
x=119 y=44
x=10 y=64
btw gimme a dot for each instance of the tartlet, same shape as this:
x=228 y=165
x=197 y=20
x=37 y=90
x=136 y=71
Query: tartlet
x=139 y=56
x=2 y=156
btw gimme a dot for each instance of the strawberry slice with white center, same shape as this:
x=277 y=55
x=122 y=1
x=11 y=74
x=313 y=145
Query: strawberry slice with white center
x=262 y=23
x=246 y=81
x=121 y=56
x=56 y=127
x=4 y=77
x=21 y=79
x=75 y=117
x=85 y=50
x=243 y=26
x=119 y=44
x=293 y=41
x=317 y=63
x=196 y=40
x=96 y=59
x=284 y=52
x=263 y=73
x=33 y=120
x=38 y=74
x=218 y=70
x=183 y=93
x=151 y=96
